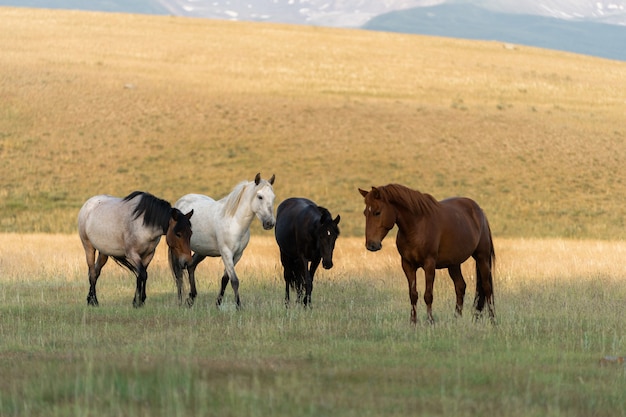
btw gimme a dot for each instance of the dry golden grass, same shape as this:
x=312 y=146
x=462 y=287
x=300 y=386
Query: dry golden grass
x=108 y=103
x=45 y=257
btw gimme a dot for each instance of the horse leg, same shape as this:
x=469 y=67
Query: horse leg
x=291 y=280
x=191 y=271
x=286 y=289
x=178 y=275
x=140 y=292
x=310 y=273
x=300 y=278
x=220 y=297
x=410 y=271
x=142 y=278
x=95 y=267
x=230 y=260
x=287 y=274
x=459 y=287
x=429 y=276
x=234 y=282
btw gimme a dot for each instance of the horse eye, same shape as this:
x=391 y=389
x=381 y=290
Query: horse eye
x=377 y=213
x=260 y=197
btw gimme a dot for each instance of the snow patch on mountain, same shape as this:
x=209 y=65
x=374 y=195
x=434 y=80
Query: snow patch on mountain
x=355 y=13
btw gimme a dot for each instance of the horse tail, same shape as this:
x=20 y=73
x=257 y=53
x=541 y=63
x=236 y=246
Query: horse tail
x=480 y=295
x=124 y=262
x=492 y=261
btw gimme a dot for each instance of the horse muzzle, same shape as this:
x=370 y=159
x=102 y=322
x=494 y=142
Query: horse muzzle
x=268 y=224
x=185 y=261
x=327 y=264
x=373 y=246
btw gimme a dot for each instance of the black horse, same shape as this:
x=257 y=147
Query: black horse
x=305 y=232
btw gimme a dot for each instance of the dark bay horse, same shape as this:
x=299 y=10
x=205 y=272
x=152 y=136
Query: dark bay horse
x=433 y=235
x=129 y=230
x=305 y=232
x=222 y=228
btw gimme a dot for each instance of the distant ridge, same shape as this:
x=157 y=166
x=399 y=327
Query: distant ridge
x=470 y=22
x=120 y=6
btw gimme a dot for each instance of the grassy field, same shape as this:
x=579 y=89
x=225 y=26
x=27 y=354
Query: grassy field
x=106 y=103
x=354 y=354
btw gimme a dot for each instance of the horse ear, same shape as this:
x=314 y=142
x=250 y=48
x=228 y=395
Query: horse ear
x=174 y=213
x=271 y=181
x=257 y=179
x=336 y=221
x=188 y=215
x=363 y=192
x=375 y=192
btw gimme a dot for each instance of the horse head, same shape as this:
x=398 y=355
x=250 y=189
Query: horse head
x=263 y=201
x=178 y=237
x=327 y=234
x=380 y=217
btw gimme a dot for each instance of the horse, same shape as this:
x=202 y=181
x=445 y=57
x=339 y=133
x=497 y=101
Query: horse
x=222 y=228
x=128 y=230
x=305 y=232
x=433 y=235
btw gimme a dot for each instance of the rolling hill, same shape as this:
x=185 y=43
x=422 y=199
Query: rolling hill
x=591 y=28
x=110 y=103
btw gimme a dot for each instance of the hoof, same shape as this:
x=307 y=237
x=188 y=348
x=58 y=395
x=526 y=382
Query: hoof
x=190 y=302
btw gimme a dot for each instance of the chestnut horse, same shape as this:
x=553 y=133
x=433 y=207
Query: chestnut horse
x=433 y=235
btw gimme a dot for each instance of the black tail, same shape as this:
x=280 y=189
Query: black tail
x=124 y=262
x=492 y=263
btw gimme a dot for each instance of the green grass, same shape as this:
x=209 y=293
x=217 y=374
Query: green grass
x=355 y=353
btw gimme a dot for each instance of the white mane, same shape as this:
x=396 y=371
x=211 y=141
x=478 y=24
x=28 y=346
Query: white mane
x=234 y=198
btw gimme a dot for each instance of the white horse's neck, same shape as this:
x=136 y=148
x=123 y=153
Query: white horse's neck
x=238 y=204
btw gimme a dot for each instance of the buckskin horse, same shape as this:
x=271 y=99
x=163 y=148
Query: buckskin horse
x=305 y=232
x=433 y=235
x=129 y=230
x=222 y=228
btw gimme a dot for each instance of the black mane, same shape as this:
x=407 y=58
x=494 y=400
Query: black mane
x=156 y=212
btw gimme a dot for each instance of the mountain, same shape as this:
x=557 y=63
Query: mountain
x=470 y=22
x=598 y=11
x=124 y=6
x=340 y=13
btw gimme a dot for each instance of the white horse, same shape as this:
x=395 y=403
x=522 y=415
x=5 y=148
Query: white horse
x=222 y=228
